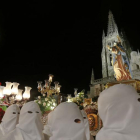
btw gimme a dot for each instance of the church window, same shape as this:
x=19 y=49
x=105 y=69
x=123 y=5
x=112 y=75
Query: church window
x=110 y=59
x=137 y=66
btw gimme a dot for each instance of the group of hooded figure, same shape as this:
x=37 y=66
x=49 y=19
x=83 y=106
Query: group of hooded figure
x=119 y=110
x=66 y=122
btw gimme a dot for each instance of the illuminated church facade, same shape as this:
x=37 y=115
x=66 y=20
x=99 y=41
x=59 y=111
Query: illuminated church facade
x=96 y=86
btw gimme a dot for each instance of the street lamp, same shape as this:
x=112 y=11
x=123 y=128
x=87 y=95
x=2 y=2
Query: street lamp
x=13 y=95
x=47 y=88
x=50 y=90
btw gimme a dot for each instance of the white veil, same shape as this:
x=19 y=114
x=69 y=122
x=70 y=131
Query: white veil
x=119 y=110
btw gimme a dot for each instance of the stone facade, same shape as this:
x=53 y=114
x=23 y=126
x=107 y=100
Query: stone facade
x=96 y=86
x=106 y=55
x=135 y=64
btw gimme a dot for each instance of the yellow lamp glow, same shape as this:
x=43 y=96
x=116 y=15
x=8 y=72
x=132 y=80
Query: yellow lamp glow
x=1 y=92
x=19 y=95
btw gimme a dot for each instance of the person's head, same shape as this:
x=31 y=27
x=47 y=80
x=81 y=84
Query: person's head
x=119 y=109
x=30 y=119
x=10 y=118
x=67 y=122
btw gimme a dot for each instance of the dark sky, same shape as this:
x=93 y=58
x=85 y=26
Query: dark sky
x=59 y=38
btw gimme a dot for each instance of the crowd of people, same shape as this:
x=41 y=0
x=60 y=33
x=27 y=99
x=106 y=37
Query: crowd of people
x=119 y=110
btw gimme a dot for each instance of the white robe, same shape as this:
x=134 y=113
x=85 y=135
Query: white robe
x=119 y=110
x=9 y=120
x=30 y=126
x=64 y=126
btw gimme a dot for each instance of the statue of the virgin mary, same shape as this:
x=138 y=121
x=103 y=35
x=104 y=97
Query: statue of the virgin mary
x=120 y=62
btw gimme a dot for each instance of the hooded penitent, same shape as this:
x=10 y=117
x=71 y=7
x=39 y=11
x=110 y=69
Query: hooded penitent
x=10 y=120
x=30 y=122
x=119 y=110
x=67 y=123
x=30 y=126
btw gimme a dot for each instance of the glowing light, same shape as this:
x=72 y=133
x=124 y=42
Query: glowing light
x=15 y=88
x=69 y=100
x=1 y=91
x=7 y=89
x=26 y=94
x=39 y=84
x=50 y=77
x=19 y=95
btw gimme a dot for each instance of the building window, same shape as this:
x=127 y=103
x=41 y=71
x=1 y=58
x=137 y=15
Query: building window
x=137 y=66
x=110 y=59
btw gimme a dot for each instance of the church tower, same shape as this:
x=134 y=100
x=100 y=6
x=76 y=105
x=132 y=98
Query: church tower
x=106 y=55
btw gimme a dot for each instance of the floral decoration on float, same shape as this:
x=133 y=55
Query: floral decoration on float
x=46 y=104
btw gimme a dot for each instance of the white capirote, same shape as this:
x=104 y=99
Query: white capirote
x=119 y=110
x=30 y=126
x=9 y=120
x=67 y=123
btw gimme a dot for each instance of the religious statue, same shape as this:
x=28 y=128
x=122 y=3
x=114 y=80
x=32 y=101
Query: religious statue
x=120 y=61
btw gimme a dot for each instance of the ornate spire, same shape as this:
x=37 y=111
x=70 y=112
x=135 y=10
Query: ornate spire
x=112 y=27
x=92 y=78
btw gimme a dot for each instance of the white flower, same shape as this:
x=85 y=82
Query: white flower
x=54 y=104
x=39 y=97
x=39 y=102
x=46 y=99
x=53 y=100
x=48 y=104
x=52 y=107
x=44 y=94
x=44 y=104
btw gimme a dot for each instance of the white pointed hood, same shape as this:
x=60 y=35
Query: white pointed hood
x=30 y=122
x=119 y=110
x=10 y=119
x=64 y=126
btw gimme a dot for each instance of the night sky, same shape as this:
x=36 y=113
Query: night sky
x=60 y=38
